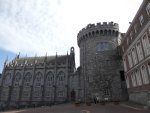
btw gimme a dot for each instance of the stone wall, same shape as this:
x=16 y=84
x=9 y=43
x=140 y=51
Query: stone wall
x=100 y=62
x=142 y=97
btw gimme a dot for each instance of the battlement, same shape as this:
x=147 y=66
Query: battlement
x=101 y=25
x=104 y=24
x=103 y=29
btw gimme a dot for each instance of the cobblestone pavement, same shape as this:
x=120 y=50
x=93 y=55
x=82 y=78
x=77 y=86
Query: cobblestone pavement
x=71 y=108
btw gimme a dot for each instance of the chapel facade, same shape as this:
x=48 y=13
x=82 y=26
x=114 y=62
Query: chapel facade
x=39 y=80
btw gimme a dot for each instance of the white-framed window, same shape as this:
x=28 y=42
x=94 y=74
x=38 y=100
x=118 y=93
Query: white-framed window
x=148 y=8
x=138 y=77
x=123 y=48
x=127 y=41
x=139 y=51
x=131 y=35
x=125 y=64
x=135 y=28
x=141 y=19
x=130 y=60
x=144 y=75
x=133 y=79
x=146 y=45
x=134 y=56
x=127 y=82
x=148 y=67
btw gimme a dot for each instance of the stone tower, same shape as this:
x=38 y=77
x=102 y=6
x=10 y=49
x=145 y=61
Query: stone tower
x=101 y=65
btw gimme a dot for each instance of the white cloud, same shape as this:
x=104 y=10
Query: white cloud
x=40 y=26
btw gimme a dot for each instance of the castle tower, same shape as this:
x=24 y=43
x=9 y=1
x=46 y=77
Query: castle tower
x=100 y=63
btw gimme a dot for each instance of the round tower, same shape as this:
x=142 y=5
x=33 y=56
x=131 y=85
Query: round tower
x=99 y=61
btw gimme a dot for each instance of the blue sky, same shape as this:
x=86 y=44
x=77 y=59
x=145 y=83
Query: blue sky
x=4 y=54
x=39 y=26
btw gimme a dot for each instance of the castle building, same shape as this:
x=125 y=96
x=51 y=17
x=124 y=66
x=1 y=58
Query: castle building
x=101 y=63
x=39 y=80
x=136 y=55
x=112 y=65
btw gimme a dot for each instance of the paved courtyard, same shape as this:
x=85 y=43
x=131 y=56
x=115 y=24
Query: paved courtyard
x=71 y=108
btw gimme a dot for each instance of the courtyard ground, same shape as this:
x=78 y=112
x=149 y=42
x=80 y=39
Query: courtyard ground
x=94 y=108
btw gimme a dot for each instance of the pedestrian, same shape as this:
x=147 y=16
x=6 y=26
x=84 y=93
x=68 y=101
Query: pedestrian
x=95 y=100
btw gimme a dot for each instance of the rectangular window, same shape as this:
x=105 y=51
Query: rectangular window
x=139 y=51
x=131 y=35
x=149 y=67
x=148 y=8
x=130 y=60
x=125 y=64
x=122 y=49
x=141 y=19
x=144 y=75
x=127 y=41
x=138 y=78
x=146 y=45
x=134 y=56
x=135 y=28
x=127 y=82
x=133 y=79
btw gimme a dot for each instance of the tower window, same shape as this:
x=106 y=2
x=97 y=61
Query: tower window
x=104 y=46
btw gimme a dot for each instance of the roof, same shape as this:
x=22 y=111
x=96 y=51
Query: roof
x=41 y=59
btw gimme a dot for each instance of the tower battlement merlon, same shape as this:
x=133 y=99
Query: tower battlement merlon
x=105 y=28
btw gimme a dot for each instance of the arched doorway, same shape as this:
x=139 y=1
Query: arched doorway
x=73 y=95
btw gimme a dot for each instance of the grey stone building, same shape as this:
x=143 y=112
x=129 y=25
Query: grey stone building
x=101 y=63
x=39 y=80
x=54 y=79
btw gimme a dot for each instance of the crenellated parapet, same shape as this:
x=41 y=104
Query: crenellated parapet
x=99 y=29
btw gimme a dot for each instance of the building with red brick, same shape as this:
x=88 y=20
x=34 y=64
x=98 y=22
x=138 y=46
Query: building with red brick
x=136 y=55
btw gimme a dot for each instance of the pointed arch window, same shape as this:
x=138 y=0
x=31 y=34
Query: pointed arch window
x=38 y=79
x=61 y=78
x=49 y=79
x=7 y=80
x=27 y=79
x=17 y=79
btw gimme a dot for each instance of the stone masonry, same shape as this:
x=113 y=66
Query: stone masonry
x=101 y=64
